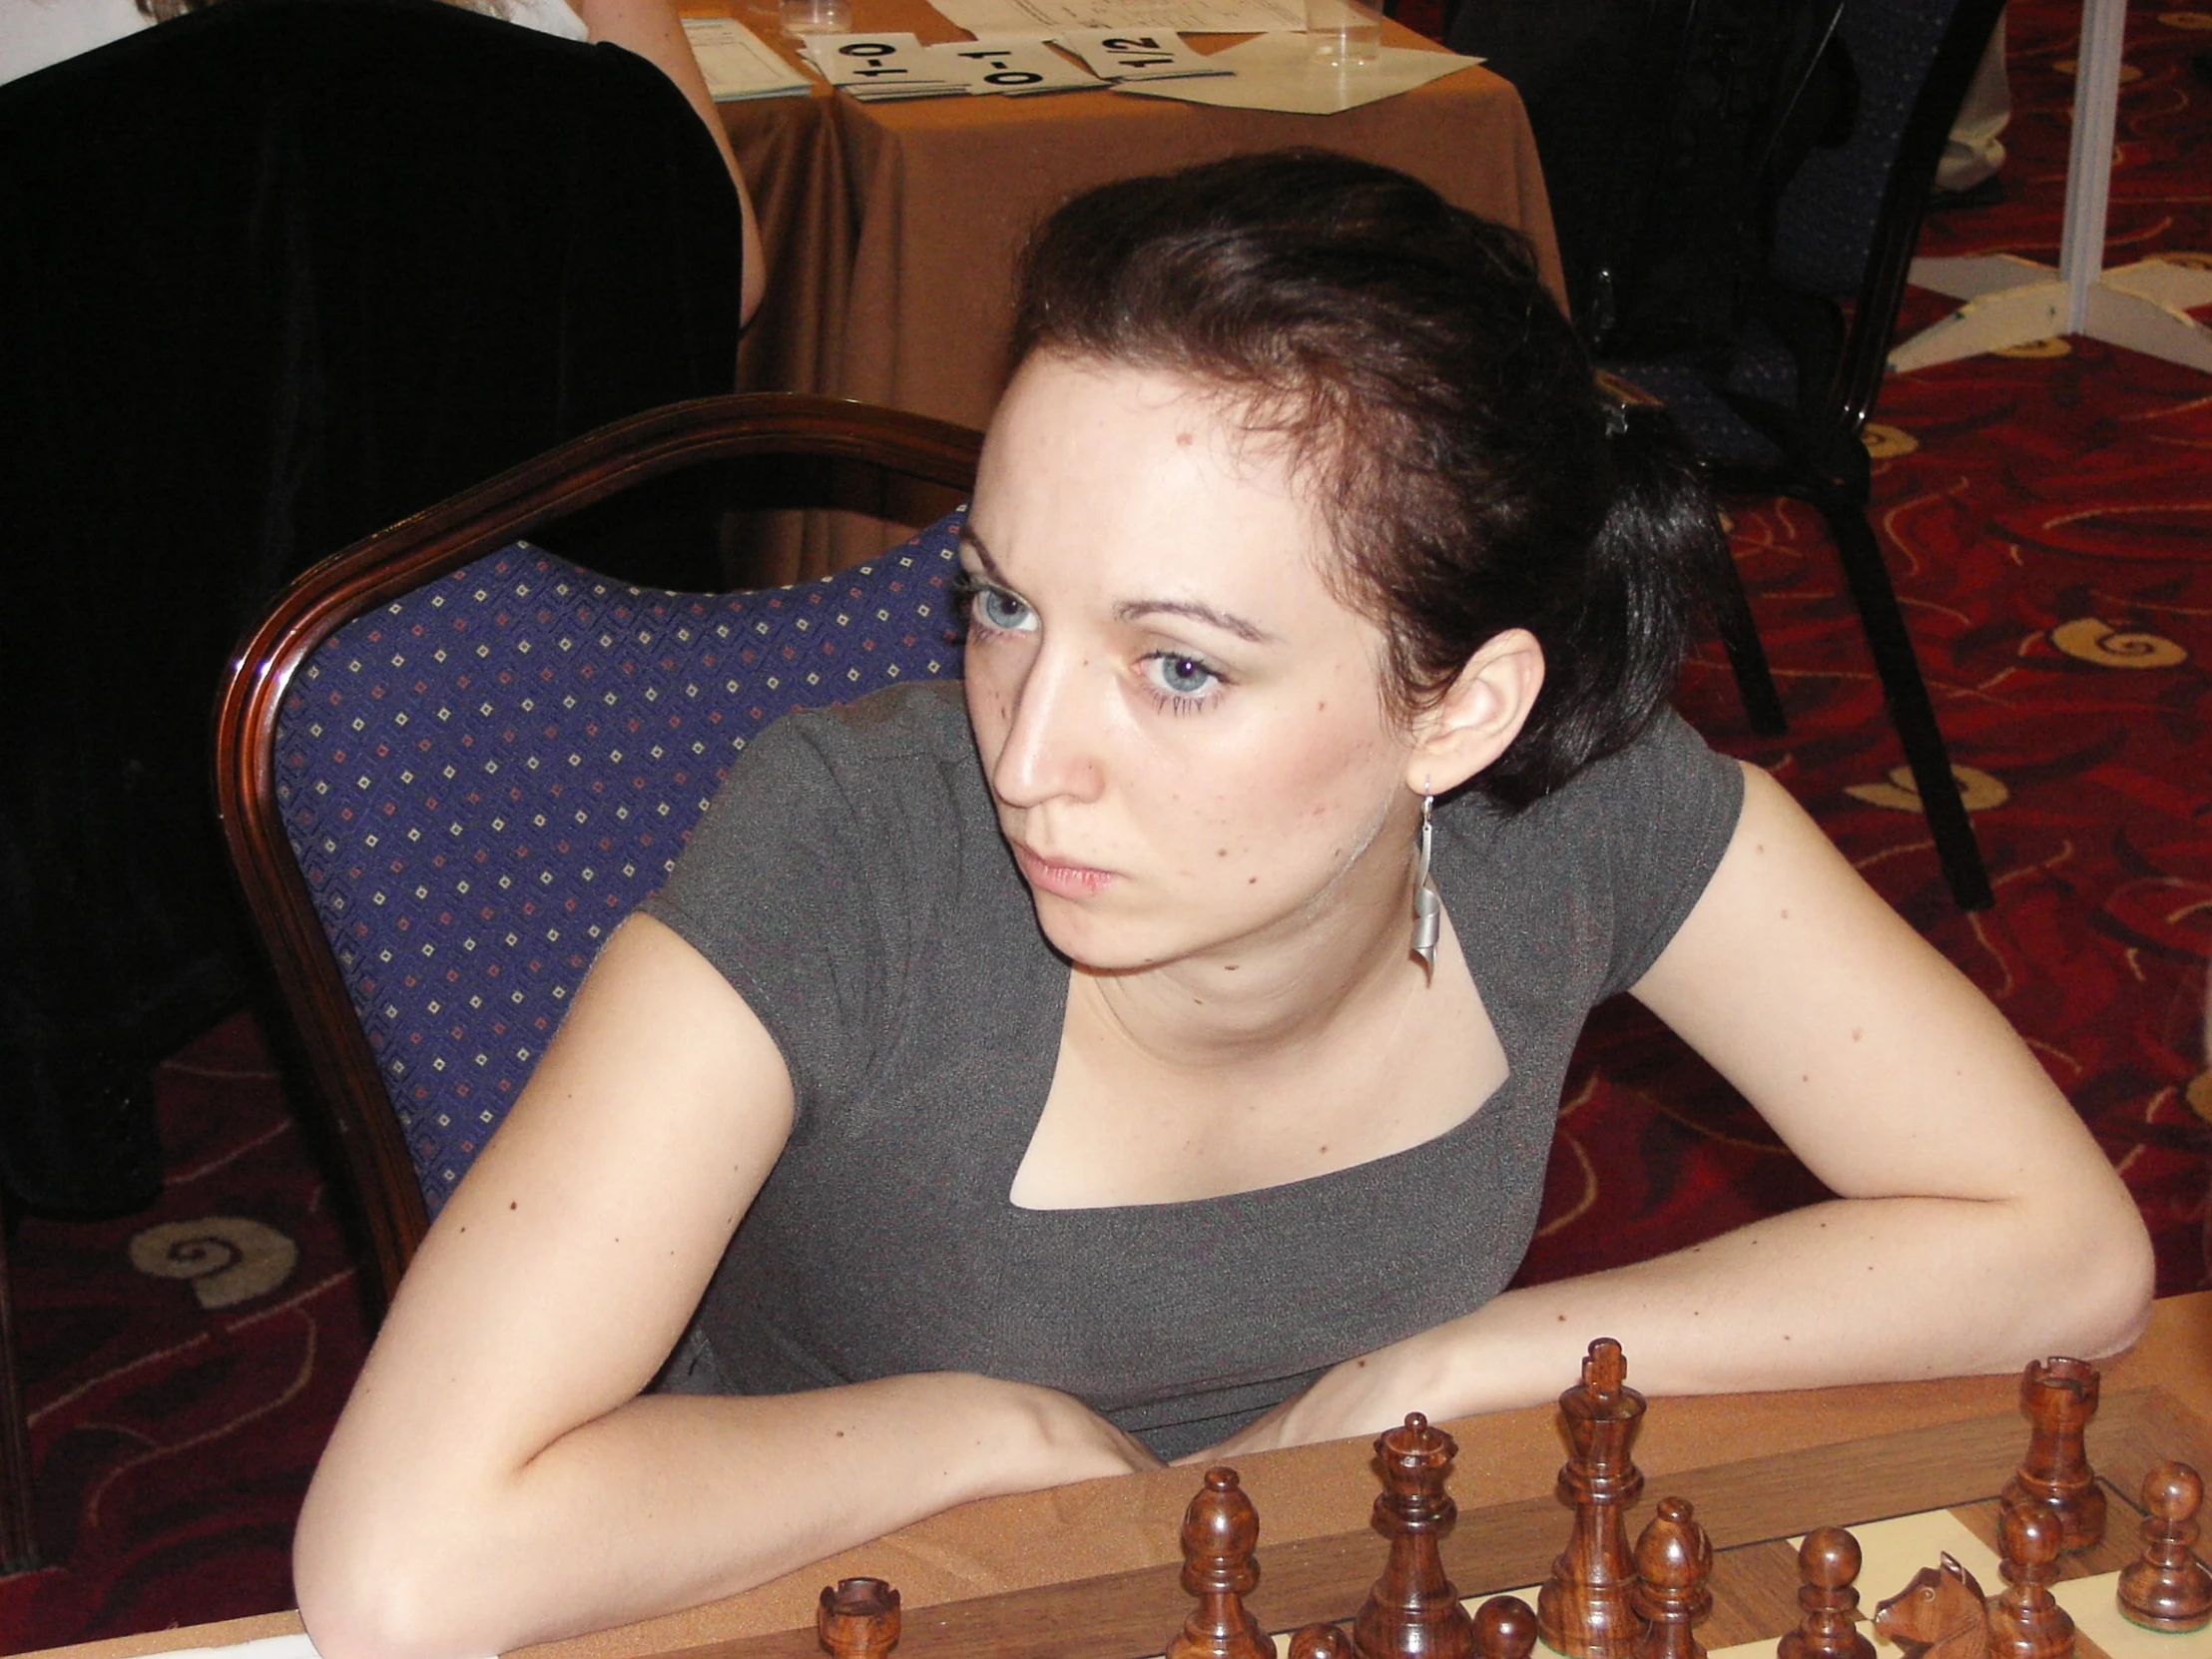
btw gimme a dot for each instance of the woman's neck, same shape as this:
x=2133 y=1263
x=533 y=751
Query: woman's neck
x=1268 y=999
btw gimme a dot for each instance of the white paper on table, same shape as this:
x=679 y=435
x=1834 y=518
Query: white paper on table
x=738 y=64
x=1137 y=53
x=893 y=64
x=1279 y=72
x=1042 y=19
x=1017 y=68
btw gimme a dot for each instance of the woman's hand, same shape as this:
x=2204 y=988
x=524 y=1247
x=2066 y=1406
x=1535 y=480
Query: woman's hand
x=1073 y=1443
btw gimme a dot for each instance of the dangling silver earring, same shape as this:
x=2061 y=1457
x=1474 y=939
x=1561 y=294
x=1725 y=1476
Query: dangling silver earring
x=1429 y=903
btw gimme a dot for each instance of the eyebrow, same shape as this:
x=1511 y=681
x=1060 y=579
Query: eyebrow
x=1136 y=610
x=968 y=538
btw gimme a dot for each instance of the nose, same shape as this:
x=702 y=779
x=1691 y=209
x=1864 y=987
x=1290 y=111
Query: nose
x=1053 y=725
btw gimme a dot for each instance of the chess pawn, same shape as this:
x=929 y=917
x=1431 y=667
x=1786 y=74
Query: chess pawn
x=2169 y=1588
x=858 y=1619
x=1504 y=1628
x=1674 y=1562
x=1583 y=1608
x=2025 y=1621
x=1318 y=1641
x=2058 y=1396
x=1827 y=1569
x=1221 y=1530
x=1413 y=1609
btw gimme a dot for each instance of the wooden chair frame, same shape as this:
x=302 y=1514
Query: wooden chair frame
x=347 y=1078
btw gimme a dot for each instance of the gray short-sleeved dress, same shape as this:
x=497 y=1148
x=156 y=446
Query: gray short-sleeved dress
x=851 y=882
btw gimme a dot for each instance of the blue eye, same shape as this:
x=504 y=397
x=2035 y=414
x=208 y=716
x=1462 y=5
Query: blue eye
x=1184 y=676
x=997 y=608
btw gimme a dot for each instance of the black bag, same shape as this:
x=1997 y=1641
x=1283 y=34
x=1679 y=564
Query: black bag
x=1668 y=129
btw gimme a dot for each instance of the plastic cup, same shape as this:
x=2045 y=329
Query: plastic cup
x=1344 y=31
x=815 y=17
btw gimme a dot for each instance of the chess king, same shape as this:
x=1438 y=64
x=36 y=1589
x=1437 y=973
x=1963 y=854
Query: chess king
x=1150 y=1047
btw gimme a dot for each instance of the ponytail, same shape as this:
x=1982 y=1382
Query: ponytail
x=1610 y=663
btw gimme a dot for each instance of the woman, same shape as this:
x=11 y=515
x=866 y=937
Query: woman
x=1150 y=1049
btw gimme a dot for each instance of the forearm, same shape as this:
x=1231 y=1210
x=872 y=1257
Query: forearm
x=1853 y=1291
x=665 y=1502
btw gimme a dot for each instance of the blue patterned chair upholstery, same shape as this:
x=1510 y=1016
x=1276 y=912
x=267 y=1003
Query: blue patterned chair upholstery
x=448 y=774
x=481 y=779
x=1784 y=414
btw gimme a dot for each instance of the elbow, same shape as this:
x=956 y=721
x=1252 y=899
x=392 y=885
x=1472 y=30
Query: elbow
x=370 y=1593
x=2125 y=1278
x=2089 y=1296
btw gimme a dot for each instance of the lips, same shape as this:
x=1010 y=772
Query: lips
x=1061 y=881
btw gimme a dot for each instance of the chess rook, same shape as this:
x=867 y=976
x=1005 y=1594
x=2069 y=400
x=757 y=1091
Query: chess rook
x=858 y=1619
x=1827 y=1571
x=1674 y=1565
x=1583 y=1608
x=2025 y=1621
x=1413 y=1609
x=1221 y=1531
x=2058 y=1396
x=2169 y=1589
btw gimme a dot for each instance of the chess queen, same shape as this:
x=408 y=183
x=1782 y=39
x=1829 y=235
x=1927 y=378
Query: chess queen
x=1150 y=1047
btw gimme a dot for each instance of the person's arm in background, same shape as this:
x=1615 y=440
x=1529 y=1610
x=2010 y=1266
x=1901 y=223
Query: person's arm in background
x=653 y=30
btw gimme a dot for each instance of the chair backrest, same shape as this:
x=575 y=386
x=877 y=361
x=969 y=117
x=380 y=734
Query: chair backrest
x=1846 y=227
x=447 y=773
x=274 y=275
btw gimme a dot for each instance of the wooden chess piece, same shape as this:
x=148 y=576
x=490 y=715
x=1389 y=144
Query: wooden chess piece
x=2058 y=1396
x=858 y=1619
x=2025 y=1621
x=1413 y=1609
x=1221 y=1530
x=2169 y=1588
x=1674 y=1563
x=1583 y=1610
x=1320 y=1641
x=1504 y=1628
x=1827 y=1569
x=1941 y=1614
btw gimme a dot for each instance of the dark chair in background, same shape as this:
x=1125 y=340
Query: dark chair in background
x=450 y=763
x=1784 y=414
x=272 y=276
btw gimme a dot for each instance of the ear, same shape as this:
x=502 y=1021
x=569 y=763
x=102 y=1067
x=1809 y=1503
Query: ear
x=1480 y=716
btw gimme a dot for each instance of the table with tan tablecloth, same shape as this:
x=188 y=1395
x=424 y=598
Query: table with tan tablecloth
x=891 y=229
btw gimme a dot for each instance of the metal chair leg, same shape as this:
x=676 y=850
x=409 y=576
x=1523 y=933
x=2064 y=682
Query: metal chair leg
x=1910 y=710
x=1739 y=631
x=18 y=1545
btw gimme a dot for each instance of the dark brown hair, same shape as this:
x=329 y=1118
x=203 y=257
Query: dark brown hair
x=1439 y=405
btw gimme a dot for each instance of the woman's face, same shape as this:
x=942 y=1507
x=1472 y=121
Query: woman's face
x=1183 y=728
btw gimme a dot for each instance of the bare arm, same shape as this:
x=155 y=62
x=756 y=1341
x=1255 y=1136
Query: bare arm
x=655 y=31
x=1979 y=1225
x=495 y=1478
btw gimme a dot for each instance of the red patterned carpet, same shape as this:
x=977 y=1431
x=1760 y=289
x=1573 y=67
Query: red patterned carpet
x=2049 y=521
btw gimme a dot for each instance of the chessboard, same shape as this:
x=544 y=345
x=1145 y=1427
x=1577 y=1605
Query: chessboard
x=1908 y=1497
